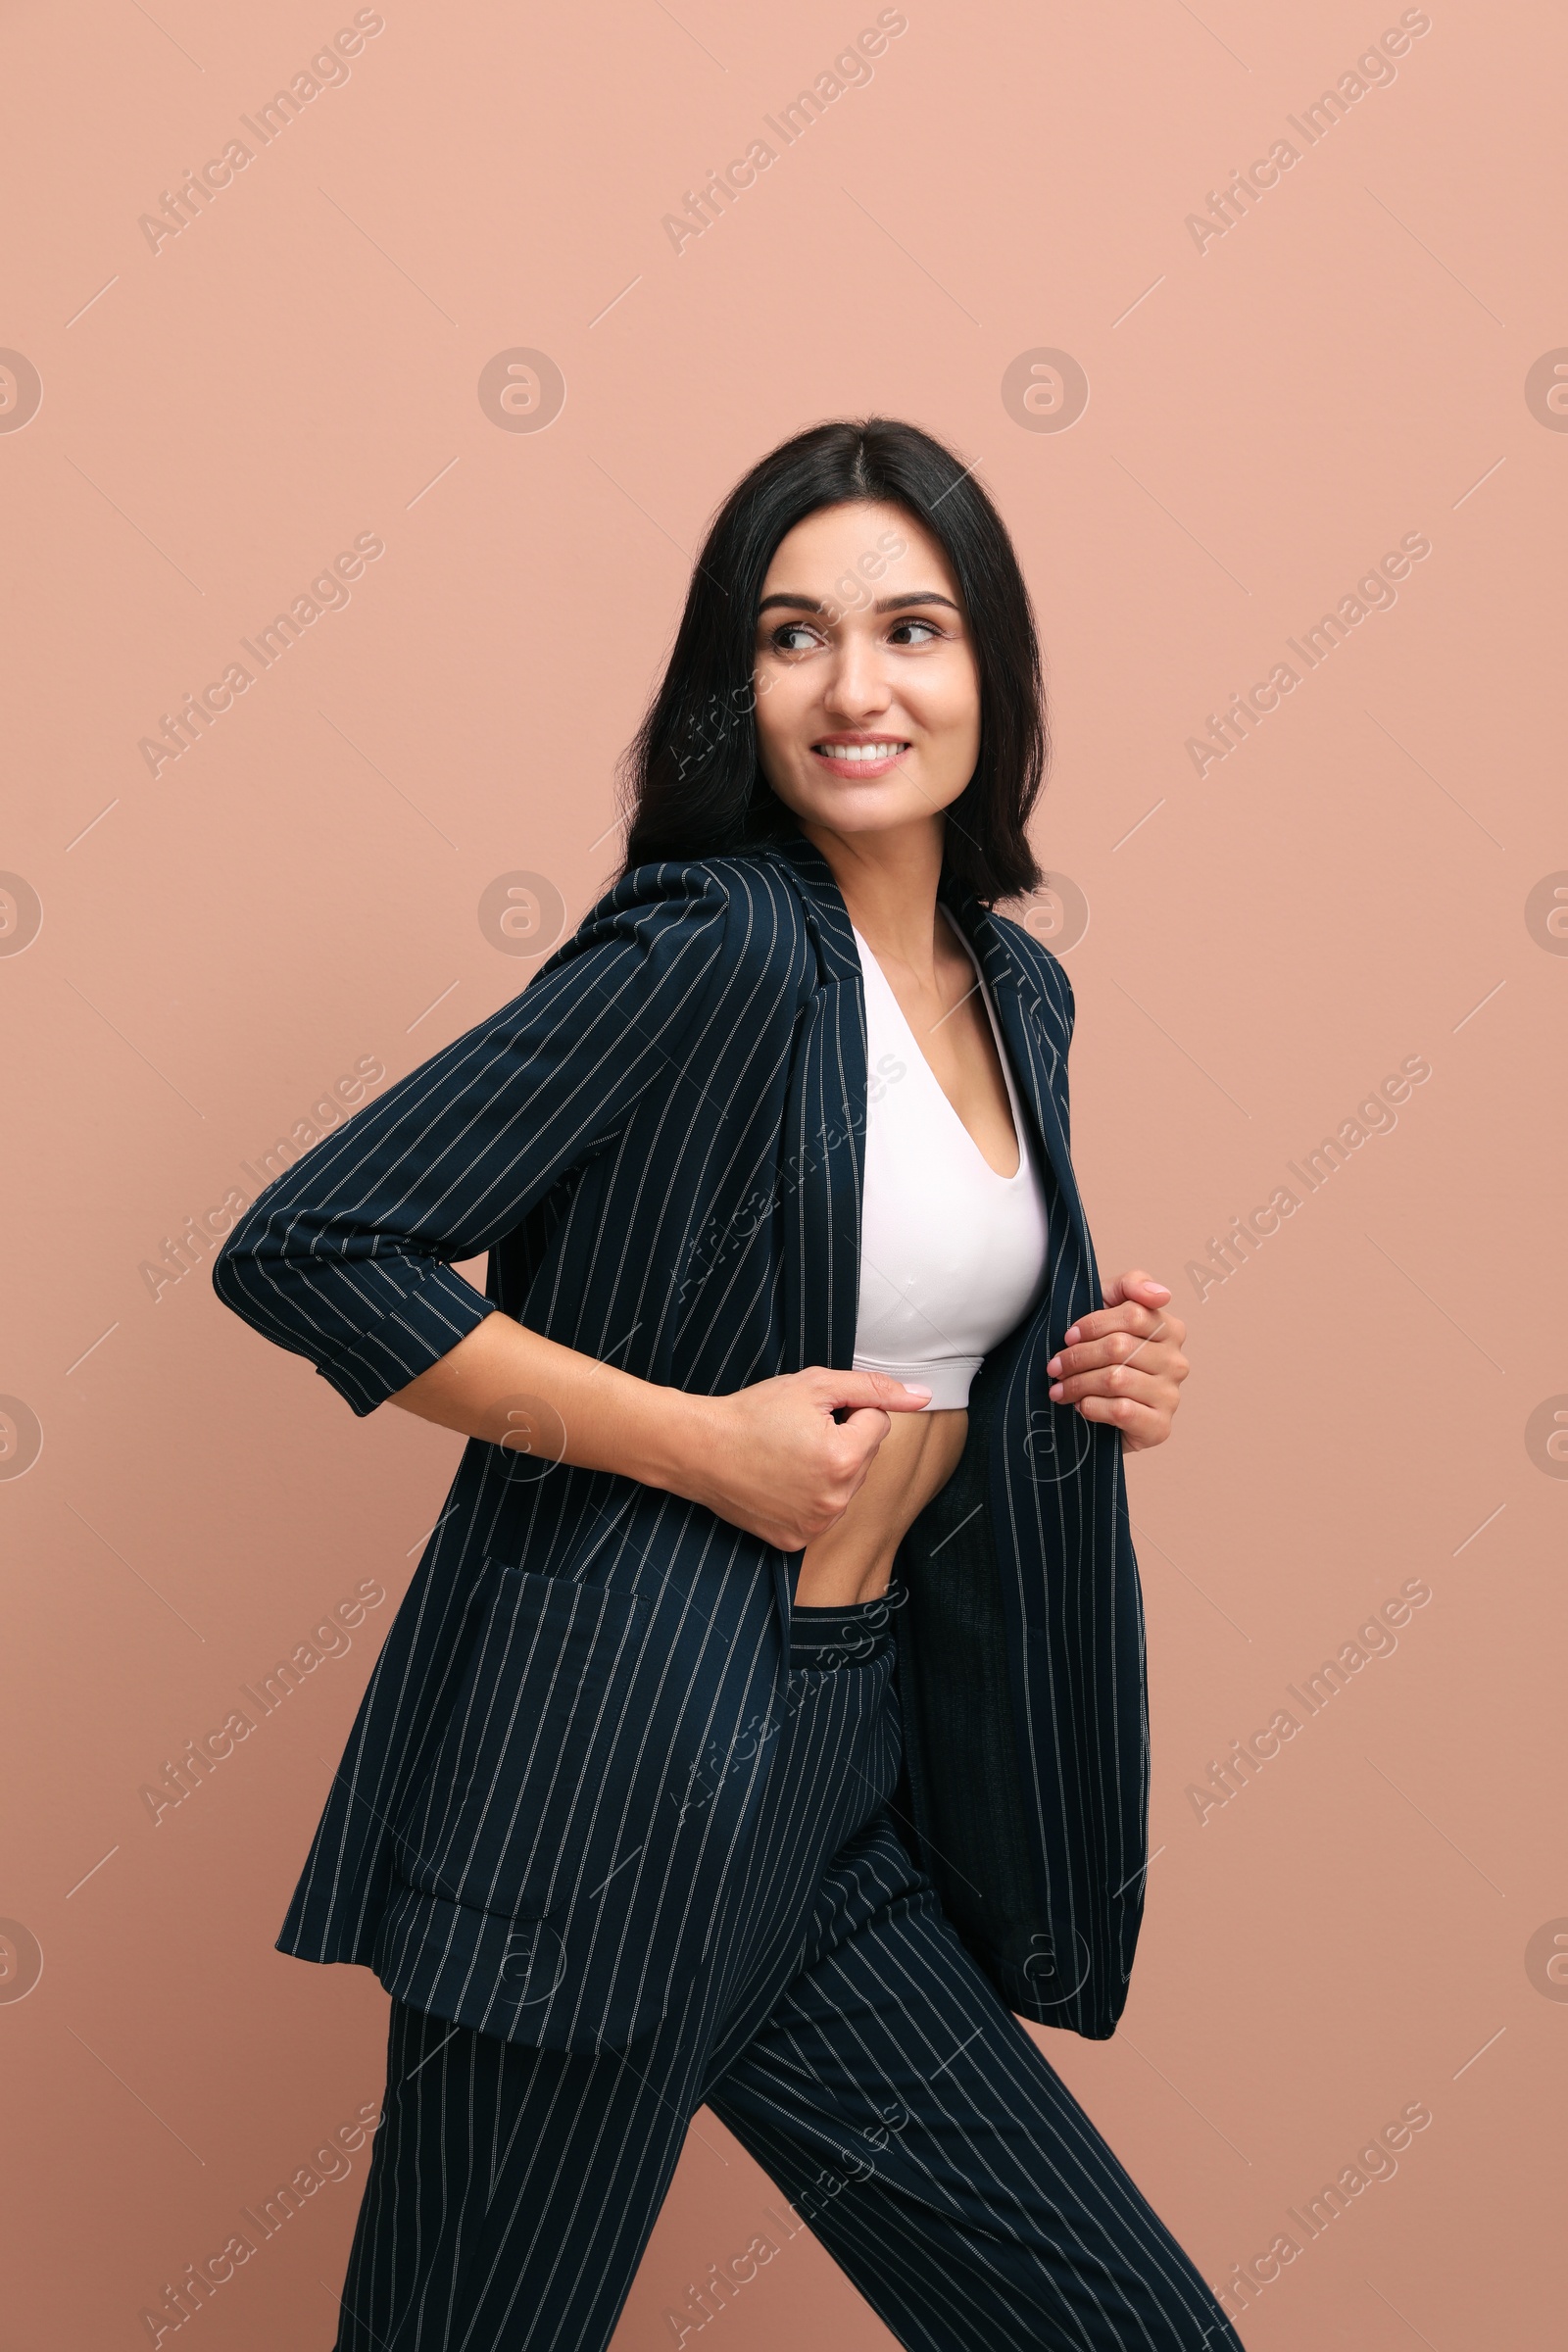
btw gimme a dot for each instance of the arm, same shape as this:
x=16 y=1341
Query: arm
x=770 y=1457
x=347 y=1259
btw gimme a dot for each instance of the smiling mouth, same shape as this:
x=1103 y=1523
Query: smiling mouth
x=880 y=752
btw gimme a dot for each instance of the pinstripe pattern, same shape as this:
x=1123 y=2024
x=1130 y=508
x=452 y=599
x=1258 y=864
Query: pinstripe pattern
x=847 y=2039
x=549 y=1802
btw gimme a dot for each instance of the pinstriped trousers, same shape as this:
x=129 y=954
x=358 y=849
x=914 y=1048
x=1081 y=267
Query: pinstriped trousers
x=853 y=2048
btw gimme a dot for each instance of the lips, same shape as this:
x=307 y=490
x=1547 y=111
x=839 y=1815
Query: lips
x=859 y=755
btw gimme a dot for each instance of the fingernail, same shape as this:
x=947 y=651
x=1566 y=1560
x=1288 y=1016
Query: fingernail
x=1056 y=1392
x=1069 y=1337
x=918 y=1388
x=1055 y=1364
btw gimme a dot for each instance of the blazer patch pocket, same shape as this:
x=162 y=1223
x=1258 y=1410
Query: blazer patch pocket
x=499 y=1819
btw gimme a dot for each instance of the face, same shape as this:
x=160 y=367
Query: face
x=868 y=690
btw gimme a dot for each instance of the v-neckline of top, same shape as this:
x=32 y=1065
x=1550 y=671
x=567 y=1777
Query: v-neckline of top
x=1020 y=1172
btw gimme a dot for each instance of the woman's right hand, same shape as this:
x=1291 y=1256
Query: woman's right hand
x=773 y=1459
x=769 y=1458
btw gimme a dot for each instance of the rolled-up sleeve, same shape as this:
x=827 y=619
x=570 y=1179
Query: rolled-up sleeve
x=347 y=1259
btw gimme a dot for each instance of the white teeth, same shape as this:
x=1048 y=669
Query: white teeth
x=860 y=751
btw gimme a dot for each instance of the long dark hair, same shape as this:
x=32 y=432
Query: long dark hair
x=690 y=782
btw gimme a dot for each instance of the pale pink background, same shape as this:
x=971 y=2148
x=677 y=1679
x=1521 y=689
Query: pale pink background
x=1267 y=417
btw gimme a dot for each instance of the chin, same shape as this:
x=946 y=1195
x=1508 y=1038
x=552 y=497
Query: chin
x=870 y=807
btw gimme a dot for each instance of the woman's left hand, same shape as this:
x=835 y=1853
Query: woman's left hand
x=1124 y=1364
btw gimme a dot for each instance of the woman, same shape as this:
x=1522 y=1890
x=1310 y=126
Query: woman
x=793 y=1368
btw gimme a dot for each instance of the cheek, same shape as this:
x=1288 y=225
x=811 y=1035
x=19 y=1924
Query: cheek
x=777 y=701
x=946 y=699
x=783 y=718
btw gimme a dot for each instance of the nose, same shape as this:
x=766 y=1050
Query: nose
x=857 y=689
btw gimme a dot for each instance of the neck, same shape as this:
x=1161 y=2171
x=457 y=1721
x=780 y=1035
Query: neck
x=888 y=881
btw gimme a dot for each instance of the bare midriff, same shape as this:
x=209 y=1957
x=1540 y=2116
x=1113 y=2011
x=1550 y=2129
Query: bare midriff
x=854 y=1560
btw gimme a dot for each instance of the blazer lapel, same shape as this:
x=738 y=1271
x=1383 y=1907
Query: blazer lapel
x=822 y=1176
x=823 y=1171
x=828 y=1101
x=1025 y=1026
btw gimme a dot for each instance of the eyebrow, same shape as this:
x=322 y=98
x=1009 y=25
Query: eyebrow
x=884 y=604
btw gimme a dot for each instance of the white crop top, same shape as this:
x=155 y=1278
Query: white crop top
x=952 y=1256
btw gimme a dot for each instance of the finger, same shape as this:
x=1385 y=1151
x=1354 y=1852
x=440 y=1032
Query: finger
x=865 y=1427
x=1173 y=1327
x=1140 y=1424
x=878 y=1389
x=1137 y=1289
x=1144 y=1321
x=1114 y=1381
x=1116 y=1348
x=1162 y=1352
x=1135 y=1285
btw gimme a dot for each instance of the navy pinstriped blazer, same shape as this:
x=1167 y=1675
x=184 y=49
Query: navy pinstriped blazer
x=547 y=1796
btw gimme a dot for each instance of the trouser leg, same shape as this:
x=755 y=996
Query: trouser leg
x=936 y=2153
x=511 y=2190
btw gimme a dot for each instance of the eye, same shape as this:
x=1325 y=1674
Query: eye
x=913 y=622
x=781 y=639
